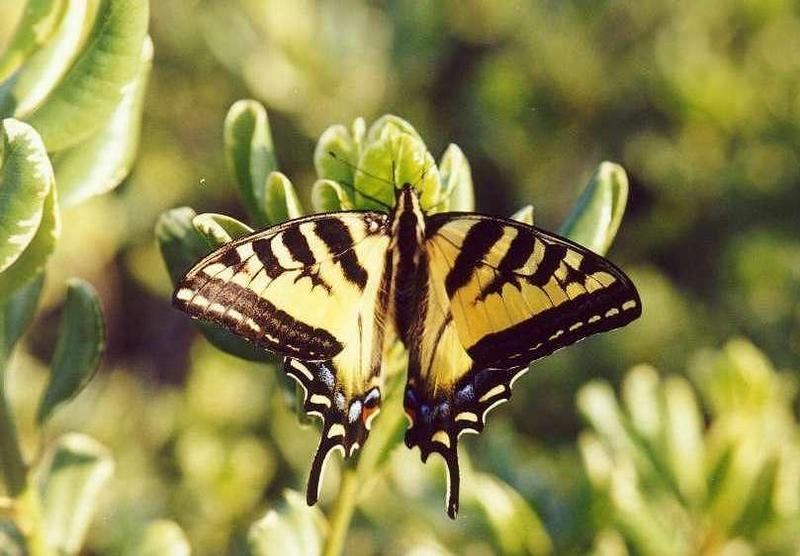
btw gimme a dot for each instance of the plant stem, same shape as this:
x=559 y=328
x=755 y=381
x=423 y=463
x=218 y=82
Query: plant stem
x=15 y=474
x=342 y=512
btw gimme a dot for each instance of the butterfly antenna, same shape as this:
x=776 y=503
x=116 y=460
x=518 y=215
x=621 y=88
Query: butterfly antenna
x=353 y=188
x=357 y=169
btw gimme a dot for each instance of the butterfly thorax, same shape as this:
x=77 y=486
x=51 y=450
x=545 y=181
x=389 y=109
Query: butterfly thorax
x=408 y=256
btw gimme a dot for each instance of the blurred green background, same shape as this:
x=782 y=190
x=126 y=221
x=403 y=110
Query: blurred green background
x=699 y=102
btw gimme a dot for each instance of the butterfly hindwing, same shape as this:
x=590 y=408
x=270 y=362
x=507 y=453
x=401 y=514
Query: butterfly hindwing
x=498 y=295
x=314 y=290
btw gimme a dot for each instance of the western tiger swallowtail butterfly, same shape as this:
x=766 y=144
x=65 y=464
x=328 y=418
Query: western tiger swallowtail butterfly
x=474 y=299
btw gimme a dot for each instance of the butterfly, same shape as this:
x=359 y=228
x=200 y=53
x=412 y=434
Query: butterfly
x=473 y=298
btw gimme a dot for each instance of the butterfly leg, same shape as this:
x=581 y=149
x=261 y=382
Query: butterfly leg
x=345 y=422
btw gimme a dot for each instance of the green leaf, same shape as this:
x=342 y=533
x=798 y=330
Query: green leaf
x=388 y=125
x=524 y=215
x=456 y=176
x=296 y=528
x=26 y=180
x=219 y=229
x=87 y=96
x=517 y=529
x=329 y=196
x=12 y=541
x=81 y=342
x=39 y=20
x=162 y=537
x=250 y=155
x=597 y=215
x=42 y=72
x=19 y=310
x=411 y=162
x=79 y=468
x=33 y=259
x=99 y=164
x=181 y=246
x=338 y=151
x=280 y=199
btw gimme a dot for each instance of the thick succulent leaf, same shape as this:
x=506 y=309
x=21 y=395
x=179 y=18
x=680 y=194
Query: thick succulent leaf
x=597 y=215
x=26 y=180
x=42 y=72
x=181 y=246
x=33 y=259
x=345 y=146
x=81 y=342
x=78 y=469
x=329 y=196
x=516 y=528
x=19 y=310
x=162 y=537
x=219 y=229
x=524 y=215
x=387 y=125
x=411 y=162
x=296 y=528
x=457 y=189
x=101 y=163
x=39 y=20
x=280 y=199
x=84 y=100
x=250 y=155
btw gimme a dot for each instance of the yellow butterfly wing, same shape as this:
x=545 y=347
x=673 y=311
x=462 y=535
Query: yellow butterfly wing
x=314 y=290
x=498 y=295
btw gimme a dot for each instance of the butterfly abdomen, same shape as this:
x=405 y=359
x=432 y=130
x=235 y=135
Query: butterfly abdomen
x=408 y=233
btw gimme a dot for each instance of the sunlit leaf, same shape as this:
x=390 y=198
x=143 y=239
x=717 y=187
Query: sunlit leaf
x=408 y=158
x=39 y=20
x=280 y=199
x=181 y=246
x=33 y=259
x=456 y=176
x=81 y=342
x=597 y=215
x=19 y=310
x=337 y=152
x=296 y=528
x=250 y=155
x=329 y=196
x=42 y=71
x=219 y=229
x=161 y=538
x=84 y=100
x=517 y=529
x=101 y=163
x=26 y=179
x=78 y=469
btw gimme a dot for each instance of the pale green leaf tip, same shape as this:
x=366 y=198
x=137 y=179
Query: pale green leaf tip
x=280 y=199
x=524 y=215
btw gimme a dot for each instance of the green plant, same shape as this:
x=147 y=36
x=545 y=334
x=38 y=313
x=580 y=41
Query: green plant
x=667 y=483
x=72 y=81
x=346 y=181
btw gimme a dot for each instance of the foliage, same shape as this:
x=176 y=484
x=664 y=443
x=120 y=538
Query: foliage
x=697 y=102
x=669 y=484
x=56 y=104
